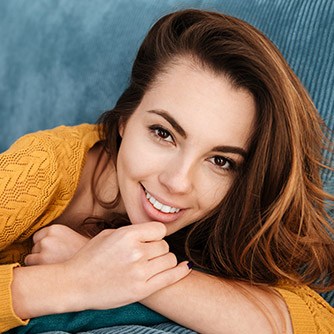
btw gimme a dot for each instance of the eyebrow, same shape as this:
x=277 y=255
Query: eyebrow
x=178 y=128
x=231 y=149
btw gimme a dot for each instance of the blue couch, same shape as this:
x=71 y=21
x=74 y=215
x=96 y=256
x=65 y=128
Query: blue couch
x=66 y=61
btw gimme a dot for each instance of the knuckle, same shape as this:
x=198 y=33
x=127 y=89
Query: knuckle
x=126 y=233
x=172 y=260
x=136 y=254
x=165 y=246
x=53 y=229
x=27 y=260
x=44 y=243
x=105 y=233
x=161 y=227
x=35 y=237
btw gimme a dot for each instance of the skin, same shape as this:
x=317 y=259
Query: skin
x=167 y=152
x=181 y=166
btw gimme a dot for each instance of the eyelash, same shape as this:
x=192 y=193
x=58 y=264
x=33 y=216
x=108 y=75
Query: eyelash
x=232 y=164
x=155 y=129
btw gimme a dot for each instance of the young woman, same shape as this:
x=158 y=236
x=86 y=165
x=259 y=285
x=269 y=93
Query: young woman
x=215 y=146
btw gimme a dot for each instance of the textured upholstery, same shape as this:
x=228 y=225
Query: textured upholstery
x=64 y=62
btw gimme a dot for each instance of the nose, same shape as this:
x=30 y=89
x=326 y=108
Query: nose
x=178 y=177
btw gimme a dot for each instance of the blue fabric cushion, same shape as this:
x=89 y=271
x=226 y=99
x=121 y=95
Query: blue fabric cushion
x=133 y=314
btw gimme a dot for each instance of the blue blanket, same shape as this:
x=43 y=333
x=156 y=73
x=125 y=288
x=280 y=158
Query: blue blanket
x=133 y=318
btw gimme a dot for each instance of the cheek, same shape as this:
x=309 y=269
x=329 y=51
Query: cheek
x=213 y=193
x=133 y=159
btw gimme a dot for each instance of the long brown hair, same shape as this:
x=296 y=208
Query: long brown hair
x=272 y=224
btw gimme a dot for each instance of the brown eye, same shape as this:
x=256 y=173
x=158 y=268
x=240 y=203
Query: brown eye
x=222 y=162
x=161 y=133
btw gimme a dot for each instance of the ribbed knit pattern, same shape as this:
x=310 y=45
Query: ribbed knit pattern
x=38 y=178
x=156 y=329
x=310 y=314
x=137 y=329
x=7 y=316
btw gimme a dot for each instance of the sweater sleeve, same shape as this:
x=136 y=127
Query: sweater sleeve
x=29 y=178
x=7 y=316
x=38 y=177
x=309 y=312
x=27 y=184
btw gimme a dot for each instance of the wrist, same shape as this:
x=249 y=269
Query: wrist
x=41 y=290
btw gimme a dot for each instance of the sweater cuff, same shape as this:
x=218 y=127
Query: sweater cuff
x=8 y=317
x=300 y=315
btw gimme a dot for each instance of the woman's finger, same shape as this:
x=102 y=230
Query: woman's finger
x=32 y=259
x=169 y=276
x=146 y=231
x=39 y=235
x=161 y=263
x=36 y=248
x=155 y=249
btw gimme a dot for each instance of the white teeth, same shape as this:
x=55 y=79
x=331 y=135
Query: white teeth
x=159 y=206
x=166 y=209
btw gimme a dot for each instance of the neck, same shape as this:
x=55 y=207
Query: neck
x=94 y=196
x=103 y=188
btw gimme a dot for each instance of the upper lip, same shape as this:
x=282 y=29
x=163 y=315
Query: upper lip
x=162 y=201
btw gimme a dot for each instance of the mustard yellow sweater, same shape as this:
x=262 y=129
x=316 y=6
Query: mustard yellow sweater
x=38 y=178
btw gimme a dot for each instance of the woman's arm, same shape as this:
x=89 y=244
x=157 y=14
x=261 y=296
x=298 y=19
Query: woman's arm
x=210 y=305
x=42 y=290
x=199 y=301
x=115 y=268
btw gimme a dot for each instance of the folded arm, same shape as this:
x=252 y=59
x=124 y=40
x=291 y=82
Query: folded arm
x=210 y=305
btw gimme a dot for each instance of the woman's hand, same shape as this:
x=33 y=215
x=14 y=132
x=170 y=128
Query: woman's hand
x=54 y=244
x=115 y=268
x=119 y=267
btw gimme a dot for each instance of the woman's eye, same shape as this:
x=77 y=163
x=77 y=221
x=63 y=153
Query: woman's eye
x=223 y=163
x=162 y=133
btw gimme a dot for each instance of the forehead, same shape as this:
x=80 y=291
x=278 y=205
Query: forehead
x=204 y=103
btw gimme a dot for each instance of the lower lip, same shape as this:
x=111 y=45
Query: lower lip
x=157 y=215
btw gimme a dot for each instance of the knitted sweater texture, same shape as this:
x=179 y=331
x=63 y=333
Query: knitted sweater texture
x=38 y=178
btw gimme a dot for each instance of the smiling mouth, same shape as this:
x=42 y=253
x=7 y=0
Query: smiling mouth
x=159 y=206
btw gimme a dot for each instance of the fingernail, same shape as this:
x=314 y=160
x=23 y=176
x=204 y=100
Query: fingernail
x=190 y=264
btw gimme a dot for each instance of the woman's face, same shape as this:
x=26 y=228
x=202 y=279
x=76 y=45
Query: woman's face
x=182 y=146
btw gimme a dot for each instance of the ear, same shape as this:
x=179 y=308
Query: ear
x=121 y=127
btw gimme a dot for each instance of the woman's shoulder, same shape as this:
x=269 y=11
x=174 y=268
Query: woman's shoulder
x=42 y=170
x=62 y=138
x=49 y=156
x=308 y=310
x=77 y=132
